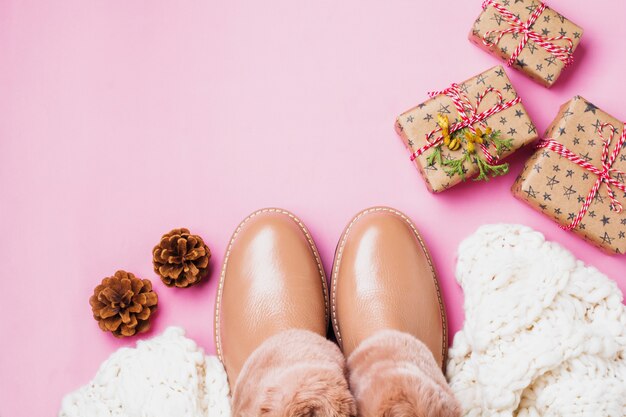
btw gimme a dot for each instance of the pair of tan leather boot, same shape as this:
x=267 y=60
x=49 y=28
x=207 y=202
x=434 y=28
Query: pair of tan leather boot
x=273 y=308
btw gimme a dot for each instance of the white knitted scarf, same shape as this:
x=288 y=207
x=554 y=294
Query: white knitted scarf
x=544 y=335
x=165 y=376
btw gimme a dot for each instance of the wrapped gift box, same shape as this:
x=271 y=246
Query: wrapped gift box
x=559 y=179
x=504 y=130
x=541 y=51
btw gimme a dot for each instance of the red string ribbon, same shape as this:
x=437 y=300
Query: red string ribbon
x=469 y=116
x=604 y=174
x=524 y=28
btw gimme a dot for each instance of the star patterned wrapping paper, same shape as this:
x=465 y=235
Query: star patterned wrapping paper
x=558 y=187
x=513 y=124
x=534 y=60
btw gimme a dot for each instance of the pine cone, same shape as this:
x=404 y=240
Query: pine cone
x=123 y=304
x=181 y=259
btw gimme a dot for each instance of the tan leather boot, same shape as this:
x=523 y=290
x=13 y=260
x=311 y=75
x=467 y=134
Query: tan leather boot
x=389 y=318
x=272 y=280
x=383 y=278
x=271 y=317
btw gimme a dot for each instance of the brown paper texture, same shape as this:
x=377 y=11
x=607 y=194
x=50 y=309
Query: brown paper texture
x=534 y=60
x=415 y=124
x=558 y=187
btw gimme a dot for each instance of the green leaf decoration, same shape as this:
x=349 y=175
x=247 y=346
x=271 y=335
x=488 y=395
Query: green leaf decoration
x=456 y=166
x=435 y=156
x=501 y=145
x=485 y=170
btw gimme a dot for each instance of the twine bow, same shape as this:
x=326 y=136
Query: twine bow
x=524 y=28
x=604 y=174
x=469 y=116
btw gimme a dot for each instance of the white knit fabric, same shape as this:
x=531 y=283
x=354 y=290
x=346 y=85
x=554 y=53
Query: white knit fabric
x=544 y=335
x=166 y=376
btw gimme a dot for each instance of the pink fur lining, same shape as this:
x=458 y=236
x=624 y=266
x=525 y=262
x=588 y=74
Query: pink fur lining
x=294 y=373
x=392 y=374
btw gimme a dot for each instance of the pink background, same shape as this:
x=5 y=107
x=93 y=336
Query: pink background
x=120 y=120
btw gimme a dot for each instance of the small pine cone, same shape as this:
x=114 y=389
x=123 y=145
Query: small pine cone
x=123 y=304
x=181 y=259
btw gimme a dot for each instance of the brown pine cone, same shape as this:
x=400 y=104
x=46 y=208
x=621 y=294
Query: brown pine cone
x=181 y=259
x=123 y=304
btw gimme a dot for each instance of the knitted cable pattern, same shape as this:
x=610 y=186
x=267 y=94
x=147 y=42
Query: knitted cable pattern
x=166 y=376
x=544 y=335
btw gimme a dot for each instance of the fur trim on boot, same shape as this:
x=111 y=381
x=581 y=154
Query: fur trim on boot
x=294 y=373
x=392 y=374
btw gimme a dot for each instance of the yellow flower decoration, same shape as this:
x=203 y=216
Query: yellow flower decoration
x=455 y=144
x=473 y=139
x=444 y=124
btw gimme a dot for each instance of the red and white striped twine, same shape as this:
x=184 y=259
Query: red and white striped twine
x=469 y=116
x=604 y=174
x=524 y=28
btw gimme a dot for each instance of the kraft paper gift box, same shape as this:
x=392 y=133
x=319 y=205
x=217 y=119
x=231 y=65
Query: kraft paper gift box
x=541 y=51
x=559 y=179
x=505 y=129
